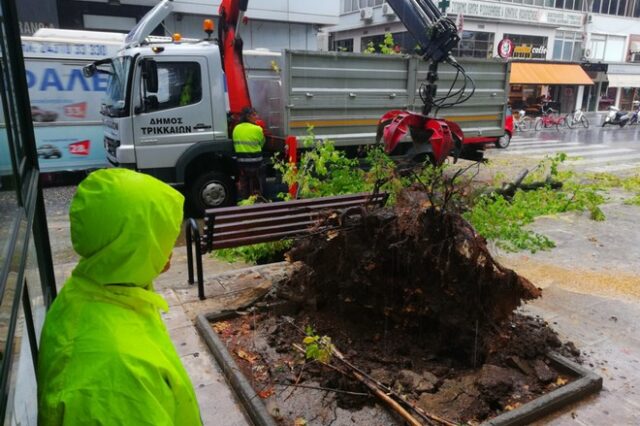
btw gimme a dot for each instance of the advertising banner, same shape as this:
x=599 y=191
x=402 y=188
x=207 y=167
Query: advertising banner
x=65 y=106
x=60 y=93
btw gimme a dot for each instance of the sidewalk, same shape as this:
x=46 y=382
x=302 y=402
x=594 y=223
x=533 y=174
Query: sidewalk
x=591 y=297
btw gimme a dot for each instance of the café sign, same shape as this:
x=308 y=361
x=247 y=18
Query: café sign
x=528 y=51
x=511 y=12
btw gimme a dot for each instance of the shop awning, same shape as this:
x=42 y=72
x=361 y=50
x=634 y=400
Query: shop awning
x=634 y=47
x=536 y=73
x=624 y=80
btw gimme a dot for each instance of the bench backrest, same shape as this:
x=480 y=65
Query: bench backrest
x=228 y=227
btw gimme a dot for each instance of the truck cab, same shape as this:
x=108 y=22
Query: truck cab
x=164 y=112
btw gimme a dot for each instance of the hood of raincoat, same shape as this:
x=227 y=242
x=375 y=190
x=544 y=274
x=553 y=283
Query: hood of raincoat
x=124 y=225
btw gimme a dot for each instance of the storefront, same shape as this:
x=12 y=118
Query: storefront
x=531 y=81
x=624 y=84
x=27 y=284
x=595 y=97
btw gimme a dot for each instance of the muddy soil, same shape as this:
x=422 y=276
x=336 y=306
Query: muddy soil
x=413 y=298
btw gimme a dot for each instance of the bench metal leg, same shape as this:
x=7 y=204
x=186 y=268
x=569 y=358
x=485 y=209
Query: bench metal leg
x=199 y=269
x=193 y=237
x=189 y=241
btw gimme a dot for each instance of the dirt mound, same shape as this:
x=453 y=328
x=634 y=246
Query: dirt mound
x=418 y=268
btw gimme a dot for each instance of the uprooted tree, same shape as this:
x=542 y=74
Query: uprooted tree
x=417 y=265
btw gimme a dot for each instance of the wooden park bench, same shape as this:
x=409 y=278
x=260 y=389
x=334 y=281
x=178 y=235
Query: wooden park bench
x=228 y=227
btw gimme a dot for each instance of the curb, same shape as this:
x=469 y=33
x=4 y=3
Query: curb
x=251 y=402
x=586 y=384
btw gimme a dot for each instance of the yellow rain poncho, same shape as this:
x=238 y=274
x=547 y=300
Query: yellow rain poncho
x=105 y=354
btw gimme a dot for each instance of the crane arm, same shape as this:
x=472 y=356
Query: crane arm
x=436 y=34
x=231 y=16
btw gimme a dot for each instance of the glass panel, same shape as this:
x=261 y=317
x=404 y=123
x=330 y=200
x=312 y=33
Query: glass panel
x=22 y=406
x=597 y=4
x=577 y=51
x=615 y=49
x=557 y=49
x=11 y=287
x=613 y=7
x=32 y=275
x=567 y=51
x=8 y=196
x=179 y=84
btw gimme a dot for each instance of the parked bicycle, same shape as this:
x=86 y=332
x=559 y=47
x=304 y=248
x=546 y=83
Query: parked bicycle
x=576 y=119
x=523 y=122
x=634 y=115
x=551 y=118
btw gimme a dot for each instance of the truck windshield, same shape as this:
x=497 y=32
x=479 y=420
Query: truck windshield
x=115 y=100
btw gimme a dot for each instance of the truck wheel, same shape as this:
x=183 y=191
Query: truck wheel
x=504 y=141
x=210 y=190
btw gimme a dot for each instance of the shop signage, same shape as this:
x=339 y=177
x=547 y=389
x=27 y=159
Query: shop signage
x=597 y=67
x=512 y=12
x=505 y=48
x=36 y=14
x=527 y=51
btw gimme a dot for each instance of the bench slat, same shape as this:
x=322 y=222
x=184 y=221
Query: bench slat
x=257 y=223
x=237 y=242
x=220 y=212
x=265 y=230
x=286 y=212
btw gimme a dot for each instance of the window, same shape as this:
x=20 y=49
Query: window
x=179 y=84
x=607 y=47
x=614 y=7
x=349 y=6
x=567 y=46
x=474 y=44
x=372 y=41
x=342 y=45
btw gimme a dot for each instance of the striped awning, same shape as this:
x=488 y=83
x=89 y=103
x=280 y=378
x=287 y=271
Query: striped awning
x=540 y=73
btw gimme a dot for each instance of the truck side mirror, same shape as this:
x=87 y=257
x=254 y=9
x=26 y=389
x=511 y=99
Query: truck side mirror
x=150 y=75
x=89 y=70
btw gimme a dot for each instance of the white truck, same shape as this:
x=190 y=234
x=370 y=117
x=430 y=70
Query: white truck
x=166 y=109
x=64 y=103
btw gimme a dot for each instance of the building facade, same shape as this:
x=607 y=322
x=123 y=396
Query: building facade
x=599 y=36
x=275 y=25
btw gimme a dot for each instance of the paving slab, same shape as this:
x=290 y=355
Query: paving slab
x=607 y=349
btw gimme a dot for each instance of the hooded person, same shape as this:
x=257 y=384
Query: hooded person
x=105 y=354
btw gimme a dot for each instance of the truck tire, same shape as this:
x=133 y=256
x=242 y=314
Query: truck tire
x=210 y=190
x=504 y=141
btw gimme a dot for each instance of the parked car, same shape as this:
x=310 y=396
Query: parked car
x=42 y=116
x=48 y=151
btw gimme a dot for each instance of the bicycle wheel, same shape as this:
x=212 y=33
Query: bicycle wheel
x=561 y=123
x=538 y=125
x=569 y=121
x=526 y=124
x=584 y=122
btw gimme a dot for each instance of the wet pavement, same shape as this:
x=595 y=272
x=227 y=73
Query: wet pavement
x=595 y=149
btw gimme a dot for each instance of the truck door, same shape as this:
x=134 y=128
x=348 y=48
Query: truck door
x=177 y=116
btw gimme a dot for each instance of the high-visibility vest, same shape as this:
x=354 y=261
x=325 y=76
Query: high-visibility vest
x=248 y=138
